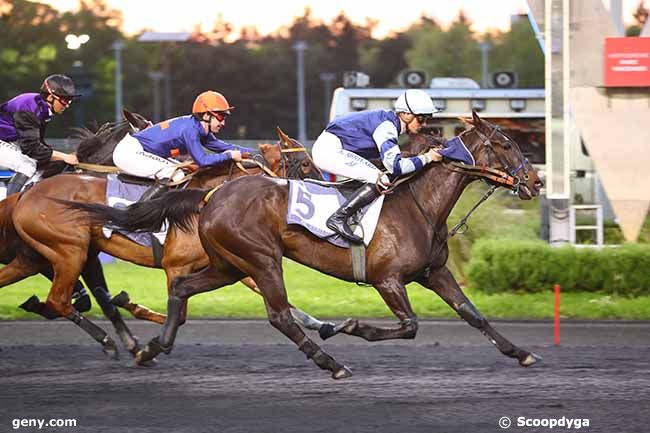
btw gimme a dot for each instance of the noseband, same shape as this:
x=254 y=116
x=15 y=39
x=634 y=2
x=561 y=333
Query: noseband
x=513 y=172
x=292 y=167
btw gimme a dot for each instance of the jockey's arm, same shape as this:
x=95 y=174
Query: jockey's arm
x=385 y=136
x=203 y=159
x=217 y=145
x=28 y=129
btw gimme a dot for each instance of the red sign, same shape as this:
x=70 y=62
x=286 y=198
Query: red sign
x=627 y=62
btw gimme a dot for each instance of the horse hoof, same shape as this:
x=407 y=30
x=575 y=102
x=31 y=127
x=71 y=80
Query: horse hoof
x=326 y=331
x=342 y=373
x=529 y=360
x=150 y=351
x=110 y=348
x=143 y=357
x=31 y=304
x=151 y=363
x=134 y=349
x=121 y=299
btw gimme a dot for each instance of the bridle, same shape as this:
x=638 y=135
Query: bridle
x=510 y=178
x=292 y=167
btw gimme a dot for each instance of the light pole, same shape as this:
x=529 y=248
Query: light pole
x=300 y=48
x=327 y=78
x=118 y=46
x=168 y=38
x=485 y=47
x=78 y=75
x=156 y=76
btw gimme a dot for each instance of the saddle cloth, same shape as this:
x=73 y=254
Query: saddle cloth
x=310 y=205
x=120 y=195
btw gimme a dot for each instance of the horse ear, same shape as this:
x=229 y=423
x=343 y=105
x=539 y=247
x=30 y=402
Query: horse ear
x=284 y=138
x=475 y=118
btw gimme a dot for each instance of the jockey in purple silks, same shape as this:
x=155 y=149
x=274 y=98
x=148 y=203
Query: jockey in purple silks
x=22 y=127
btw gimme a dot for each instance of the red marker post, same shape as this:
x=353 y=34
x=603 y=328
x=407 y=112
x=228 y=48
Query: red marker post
x=556 y=334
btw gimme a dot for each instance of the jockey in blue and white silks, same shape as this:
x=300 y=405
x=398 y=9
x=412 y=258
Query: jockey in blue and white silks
x=22 y=129
x=149 y=152
x=349 y=141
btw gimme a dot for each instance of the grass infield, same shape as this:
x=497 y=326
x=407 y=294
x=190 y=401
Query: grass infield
x=323 y=296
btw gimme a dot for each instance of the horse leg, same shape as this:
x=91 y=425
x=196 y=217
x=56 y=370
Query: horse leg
x=82 y=304
x=444 y=284
x=307 y=321
x=268 y=273
x=18 y=269
x=138 y=311
x=181 y=289
x=395 y=296
x=93 y=275
x=66 y=271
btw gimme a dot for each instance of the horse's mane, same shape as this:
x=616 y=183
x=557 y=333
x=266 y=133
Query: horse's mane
x=96 y=147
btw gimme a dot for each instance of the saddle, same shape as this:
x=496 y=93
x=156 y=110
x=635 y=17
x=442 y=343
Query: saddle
x=346 y=187
x=135 y=180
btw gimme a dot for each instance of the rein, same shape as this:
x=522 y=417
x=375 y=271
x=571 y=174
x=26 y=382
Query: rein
x=496 y=178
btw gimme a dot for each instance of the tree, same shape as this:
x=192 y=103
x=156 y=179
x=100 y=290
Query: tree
x=450 y=53
x=641 y=17
x=518 y=50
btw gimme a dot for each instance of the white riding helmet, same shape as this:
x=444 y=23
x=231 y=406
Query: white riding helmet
x=415 y=101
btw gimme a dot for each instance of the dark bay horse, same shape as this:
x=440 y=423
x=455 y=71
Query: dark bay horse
x=45 y=226
x=243 y=229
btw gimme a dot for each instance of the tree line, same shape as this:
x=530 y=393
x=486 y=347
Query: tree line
x=257 y=73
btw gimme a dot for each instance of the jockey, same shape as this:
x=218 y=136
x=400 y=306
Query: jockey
x=22 y=129
x=148 y=153
x=349 y=141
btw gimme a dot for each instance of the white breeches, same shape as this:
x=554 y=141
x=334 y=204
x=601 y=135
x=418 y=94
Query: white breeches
x=131 y=158
x=12 y=158
x=329 y=155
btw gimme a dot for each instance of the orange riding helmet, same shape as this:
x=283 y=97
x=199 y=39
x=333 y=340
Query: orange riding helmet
x=211 y=102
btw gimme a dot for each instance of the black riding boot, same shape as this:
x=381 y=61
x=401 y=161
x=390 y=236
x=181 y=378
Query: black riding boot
x=155 y=190
x=16 y=183
x=339 y=220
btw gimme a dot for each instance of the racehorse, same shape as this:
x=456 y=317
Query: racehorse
x=44 y=225
x=243 y=229
x=24 y=260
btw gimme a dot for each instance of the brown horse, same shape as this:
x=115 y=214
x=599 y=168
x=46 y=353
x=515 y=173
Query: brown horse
x=243 y=229
x=96 y=148
x=43 y=224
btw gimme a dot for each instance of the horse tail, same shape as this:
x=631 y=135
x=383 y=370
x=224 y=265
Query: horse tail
x=177 y=207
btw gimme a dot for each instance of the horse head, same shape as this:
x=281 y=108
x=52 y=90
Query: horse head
x=492 y=147
x=96 y=147
x=295 y=158
x=137 y=121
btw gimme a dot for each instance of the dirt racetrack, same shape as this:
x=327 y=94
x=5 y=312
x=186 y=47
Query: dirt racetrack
x=243 y=376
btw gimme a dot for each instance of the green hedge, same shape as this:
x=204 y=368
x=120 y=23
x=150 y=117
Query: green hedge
x=531 y=266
